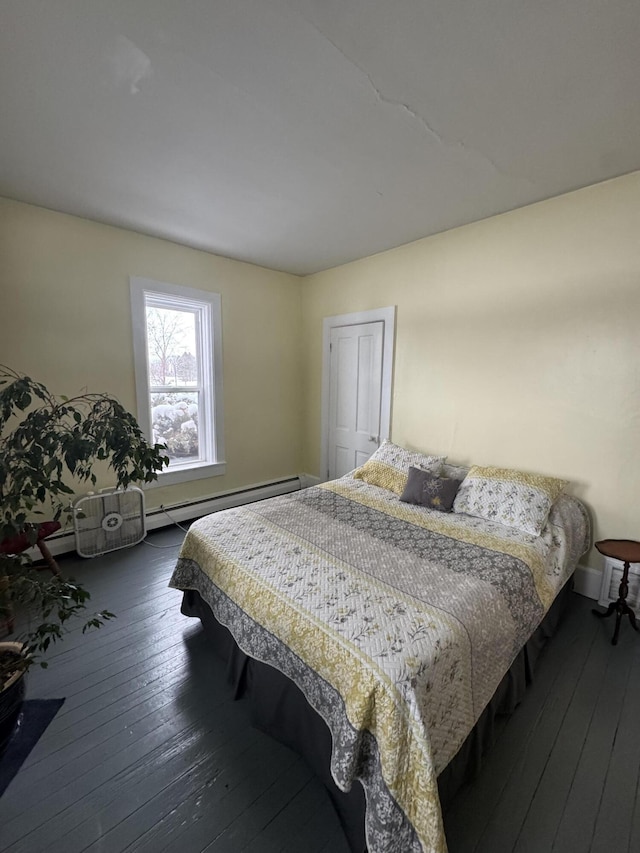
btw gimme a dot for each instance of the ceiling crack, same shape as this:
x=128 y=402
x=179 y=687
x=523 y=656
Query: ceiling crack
x=458 y=144
x=448 y=143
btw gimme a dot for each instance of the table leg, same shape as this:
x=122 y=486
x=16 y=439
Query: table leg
x=48 y=558
x=610 y=609
x=614 y=641
x=620 y=607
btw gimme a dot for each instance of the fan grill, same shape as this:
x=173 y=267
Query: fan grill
x=109 y=520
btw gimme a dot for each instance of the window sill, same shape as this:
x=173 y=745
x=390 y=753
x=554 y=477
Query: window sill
x=186 y=475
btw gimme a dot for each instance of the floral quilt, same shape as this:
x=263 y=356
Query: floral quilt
x=396 y=621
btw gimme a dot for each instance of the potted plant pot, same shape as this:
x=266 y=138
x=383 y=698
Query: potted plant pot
x=12 y=689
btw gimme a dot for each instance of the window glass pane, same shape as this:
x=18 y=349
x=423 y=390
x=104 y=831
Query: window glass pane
x=171 y=346
x=174 y=420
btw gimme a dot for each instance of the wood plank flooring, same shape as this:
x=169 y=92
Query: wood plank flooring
x=149 y=752
x=563 y=774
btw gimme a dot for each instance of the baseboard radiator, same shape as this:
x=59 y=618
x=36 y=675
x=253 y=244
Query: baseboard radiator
x=64 y=541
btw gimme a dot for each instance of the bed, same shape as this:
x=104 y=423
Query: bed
x=381 y=635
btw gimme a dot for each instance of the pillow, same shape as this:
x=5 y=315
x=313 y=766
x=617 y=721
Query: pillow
x=388 y=467
x=426 y=489
x=456 y=472
x=513 y=498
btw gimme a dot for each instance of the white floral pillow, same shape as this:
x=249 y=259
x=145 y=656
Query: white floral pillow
x=388 y=467
x=513 y=498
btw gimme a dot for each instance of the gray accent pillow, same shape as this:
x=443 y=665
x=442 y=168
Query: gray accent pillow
x=456 y=472
x=426 y=489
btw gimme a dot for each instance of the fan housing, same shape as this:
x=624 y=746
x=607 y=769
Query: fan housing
x=109 y=520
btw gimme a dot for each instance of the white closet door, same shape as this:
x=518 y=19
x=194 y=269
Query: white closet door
x=355 y=389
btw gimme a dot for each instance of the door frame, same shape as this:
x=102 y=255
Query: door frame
x=388 y=318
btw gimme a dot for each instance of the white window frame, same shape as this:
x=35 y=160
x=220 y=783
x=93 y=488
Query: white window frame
x=159 y=294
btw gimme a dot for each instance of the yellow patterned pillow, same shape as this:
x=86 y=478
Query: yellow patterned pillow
x=513 y=498
x=379 y=474
x=389 y=466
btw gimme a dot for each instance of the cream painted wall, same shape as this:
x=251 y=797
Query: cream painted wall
x=518 y=344
x=66 y=320
x=517 y=339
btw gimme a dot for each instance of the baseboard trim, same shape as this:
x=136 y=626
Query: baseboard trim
x=196 y=509
x=64 y=541
x=307 y=480
x=587 y=581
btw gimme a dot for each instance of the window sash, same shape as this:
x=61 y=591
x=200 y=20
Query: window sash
x=206 y=450
x=175 y=389
x=205 y=307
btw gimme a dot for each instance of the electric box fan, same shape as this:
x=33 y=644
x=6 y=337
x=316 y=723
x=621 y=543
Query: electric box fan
x=108 y=520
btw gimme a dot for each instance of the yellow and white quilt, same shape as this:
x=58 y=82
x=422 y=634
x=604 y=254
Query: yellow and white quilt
x=397 y=623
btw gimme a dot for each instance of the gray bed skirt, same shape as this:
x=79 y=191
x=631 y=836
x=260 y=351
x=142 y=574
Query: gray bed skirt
x=279 y=708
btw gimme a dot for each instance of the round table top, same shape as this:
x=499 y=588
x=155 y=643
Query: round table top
x=627 y=550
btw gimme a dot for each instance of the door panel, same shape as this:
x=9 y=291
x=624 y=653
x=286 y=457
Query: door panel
x=343 y=460
x=361 y=457
x=355 y=387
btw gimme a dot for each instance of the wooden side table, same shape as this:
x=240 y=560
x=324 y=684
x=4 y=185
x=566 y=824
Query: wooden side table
x=627 y=551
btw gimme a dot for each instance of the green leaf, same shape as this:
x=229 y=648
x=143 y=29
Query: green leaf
x=48 y=445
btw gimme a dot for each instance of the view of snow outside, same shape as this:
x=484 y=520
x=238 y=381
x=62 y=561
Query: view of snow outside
x=171 y=347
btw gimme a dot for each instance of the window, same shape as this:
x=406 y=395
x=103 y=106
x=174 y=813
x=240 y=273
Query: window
x=177 y=342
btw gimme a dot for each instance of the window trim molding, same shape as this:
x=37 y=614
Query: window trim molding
x=139 y=288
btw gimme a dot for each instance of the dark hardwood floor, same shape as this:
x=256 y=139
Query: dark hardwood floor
x=149 y=752
x=564 y=773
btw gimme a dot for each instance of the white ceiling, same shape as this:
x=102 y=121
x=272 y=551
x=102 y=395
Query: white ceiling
x=300 y=134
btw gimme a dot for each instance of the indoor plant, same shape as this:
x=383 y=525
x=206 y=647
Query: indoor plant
x=47 y=445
